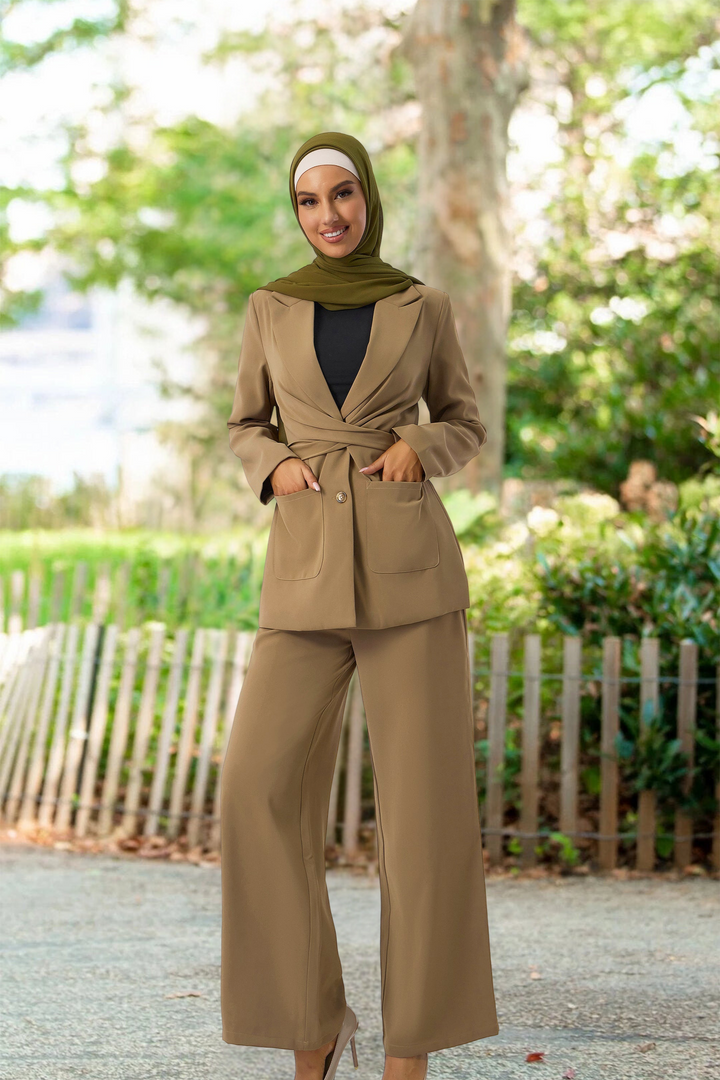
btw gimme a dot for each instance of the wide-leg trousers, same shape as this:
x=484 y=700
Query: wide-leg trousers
x=281 y=977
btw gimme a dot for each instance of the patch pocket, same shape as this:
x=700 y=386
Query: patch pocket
x=298 y=536
x=400 y=529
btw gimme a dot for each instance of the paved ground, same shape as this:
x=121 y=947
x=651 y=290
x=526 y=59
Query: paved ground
x=110 y=970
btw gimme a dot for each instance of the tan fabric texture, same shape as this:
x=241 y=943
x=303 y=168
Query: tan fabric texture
x=281 y=978
x=362 y=552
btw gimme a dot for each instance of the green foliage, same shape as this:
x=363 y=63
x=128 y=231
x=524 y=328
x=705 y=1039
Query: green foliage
x=29 y=502
x=181 y=580
x=612 y=342
x=475 y=517
x=78 y=32
x=567 y=852
x=650 y=760
x=653 y=578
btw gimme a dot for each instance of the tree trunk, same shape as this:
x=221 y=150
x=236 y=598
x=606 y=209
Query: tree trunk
x=469 y=65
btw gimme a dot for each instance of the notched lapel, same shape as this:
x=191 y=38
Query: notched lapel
x=394 y=320
x=293 y=324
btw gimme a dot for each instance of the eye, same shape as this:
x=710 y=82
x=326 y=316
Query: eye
x=345 y=191
x=306 y=202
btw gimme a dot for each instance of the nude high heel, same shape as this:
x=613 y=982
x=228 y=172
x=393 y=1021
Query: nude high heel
x=347 y=1034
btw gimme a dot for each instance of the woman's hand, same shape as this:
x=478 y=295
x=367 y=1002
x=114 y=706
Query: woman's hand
x=292 y=474
x=398 y=462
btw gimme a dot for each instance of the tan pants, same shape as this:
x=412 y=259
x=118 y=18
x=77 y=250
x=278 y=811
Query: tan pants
x=281 y=978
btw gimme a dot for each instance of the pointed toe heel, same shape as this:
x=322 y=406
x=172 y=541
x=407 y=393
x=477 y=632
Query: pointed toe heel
x=346 y=1035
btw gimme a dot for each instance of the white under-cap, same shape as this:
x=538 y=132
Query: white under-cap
x=324 y=155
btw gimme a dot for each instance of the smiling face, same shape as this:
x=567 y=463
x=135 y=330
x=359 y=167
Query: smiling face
x=331 y=209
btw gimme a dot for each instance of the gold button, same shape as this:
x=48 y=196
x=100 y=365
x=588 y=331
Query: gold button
x=341 y=496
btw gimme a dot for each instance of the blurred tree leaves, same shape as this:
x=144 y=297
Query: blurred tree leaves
x=613 y=343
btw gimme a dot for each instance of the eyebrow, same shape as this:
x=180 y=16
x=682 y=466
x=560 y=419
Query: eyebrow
x=336 y=186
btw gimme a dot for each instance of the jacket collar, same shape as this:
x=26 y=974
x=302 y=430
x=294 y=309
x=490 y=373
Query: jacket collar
x=394 y=320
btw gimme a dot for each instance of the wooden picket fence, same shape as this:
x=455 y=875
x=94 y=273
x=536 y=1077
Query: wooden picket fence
x=26 y=596
x=100 y=592
x=116 y=734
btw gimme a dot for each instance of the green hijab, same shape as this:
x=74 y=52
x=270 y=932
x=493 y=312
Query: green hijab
x=361 y=277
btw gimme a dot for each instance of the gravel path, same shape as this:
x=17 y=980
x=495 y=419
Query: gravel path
x=110 y=970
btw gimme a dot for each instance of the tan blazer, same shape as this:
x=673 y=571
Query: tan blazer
x=362 y=551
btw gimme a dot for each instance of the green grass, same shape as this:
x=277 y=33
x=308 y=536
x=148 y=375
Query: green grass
x=181 y=579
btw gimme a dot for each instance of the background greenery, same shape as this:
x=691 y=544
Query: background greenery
x=612 y=353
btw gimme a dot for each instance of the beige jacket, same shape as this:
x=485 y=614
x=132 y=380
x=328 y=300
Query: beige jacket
x=362 y=551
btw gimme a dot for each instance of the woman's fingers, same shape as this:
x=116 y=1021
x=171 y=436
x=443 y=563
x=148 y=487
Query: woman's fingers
x=292 y=474
x=310 y=477
x=398 y=462
x=375 y=465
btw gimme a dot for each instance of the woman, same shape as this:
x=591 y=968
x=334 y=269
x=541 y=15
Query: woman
x=363 y=568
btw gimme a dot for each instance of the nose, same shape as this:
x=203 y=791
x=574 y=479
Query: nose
x=329 y=212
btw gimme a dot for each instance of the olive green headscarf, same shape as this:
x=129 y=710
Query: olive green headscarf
x=361 y=277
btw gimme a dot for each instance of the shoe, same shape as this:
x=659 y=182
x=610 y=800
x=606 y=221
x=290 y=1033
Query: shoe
x=347 y=1034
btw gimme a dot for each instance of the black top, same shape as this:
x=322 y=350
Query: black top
x=341 y=340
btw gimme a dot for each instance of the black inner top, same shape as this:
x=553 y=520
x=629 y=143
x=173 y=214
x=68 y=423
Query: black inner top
x=341 y=341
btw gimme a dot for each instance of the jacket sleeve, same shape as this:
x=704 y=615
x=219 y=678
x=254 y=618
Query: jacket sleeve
x=252 y=437
x=454 y=435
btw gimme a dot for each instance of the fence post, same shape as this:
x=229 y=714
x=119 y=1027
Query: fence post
x=77 y=596
x=499 y=652
x=17 y=593
x=570 y=745
x=48 y=805
x=78 y=731
x=96 y=733
x=686 y=717
x=186 y=742
x=13 y=666
x=609 y=781
x=207 y=735
x=649 y=697
x=162 y=757
x=530 y=761
x=57 y=594
x=471 y=664
x=120 y=729
x=143 y=728
x=120 y=594
x=34 y=595
x=30 y=810
x=101 y=594
x=37 y=662
x=12 y=728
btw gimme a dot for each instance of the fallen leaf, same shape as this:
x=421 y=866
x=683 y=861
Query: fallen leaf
x=536 y=1055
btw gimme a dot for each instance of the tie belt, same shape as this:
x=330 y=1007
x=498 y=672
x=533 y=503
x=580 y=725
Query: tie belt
x=363 y=438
